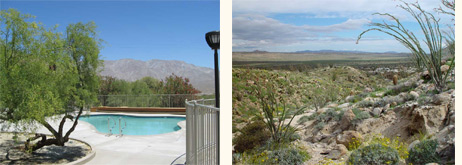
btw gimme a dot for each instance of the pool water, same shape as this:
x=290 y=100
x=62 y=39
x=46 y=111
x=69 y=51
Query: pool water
x=136 y=125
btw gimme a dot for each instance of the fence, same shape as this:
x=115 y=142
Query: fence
x=157 y=100
x=202 y=130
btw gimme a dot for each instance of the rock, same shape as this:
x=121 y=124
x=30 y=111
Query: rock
x=334 y=155
x=367 y=90
x=343 y=150
x=347 y=137
x=377 y=111
x=443 y=62
x=444 y=68
x=394 y=103
x=415 y=142
x=348 y=116
x=414 y=94
x=426 y=75
x=322 y=110
x=344 y=105
x=332 y=105
x=349 y=98
x=386 y=107
x=440 y=98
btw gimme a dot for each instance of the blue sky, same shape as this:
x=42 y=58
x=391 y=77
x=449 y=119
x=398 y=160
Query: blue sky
x=142 y=30
x=295 y=25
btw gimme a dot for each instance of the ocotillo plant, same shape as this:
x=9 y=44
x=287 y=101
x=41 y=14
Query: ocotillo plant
x=433 y=40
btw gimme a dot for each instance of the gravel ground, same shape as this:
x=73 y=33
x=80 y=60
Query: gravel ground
x=11 y=151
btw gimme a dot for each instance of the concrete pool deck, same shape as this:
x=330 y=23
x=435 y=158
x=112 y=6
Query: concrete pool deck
x=129 y=149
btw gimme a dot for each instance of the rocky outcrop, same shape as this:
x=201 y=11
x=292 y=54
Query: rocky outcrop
x=348 y=137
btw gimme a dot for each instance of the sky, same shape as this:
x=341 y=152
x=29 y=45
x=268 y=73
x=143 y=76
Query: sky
x=142 y=30
x=297 y=25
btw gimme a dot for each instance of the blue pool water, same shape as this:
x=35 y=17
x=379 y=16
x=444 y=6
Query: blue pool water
x=136 y=125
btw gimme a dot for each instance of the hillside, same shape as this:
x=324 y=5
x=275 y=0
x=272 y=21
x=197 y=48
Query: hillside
x=201 y=78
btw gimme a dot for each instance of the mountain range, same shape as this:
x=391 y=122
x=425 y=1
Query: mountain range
x=202 y=78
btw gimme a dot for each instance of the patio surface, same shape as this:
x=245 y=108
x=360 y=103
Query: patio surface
x=129 y=149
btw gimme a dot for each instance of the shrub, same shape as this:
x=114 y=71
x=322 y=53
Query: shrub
x=282 y=154
x=374 y=154
x=360 y=115
x=287 y=156
x=366 y=103
x=305 y=118
x=424 y=152
x=253 y=135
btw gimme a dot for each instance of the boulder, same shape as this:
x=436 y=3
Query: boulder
x=344 y=105
x=440 y=98
x=426 y=75
x=347 y=137
x=367 y=90
x=444 y=68
x=348 y=116
x=414 y=94
x=349 y=98
x=376 y=111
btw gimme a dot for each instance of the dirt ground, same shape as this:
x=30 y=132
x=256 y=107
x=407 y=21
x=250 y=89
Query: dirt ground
x=11 y=151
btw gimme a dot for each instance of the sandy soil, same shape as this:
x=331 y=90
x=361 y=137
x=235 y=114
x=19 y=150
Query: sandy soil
x=11 y=151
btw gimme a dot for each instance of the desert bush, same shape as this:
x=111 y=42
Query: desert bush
x=282 y=154
x=424 y=152
x=360 y=115
x=433 y=40
x=252 y=135
x=305 y=118
x=287 y=156
x=374 y=154
x=365 y=103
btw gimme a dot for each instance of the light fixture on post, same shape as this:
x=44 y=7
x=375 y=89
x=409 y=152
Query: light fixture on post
x=213 y=40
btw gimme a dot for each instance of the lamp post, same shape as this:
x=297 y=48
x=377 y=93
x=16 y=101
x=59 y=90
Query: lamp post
x=213 y=40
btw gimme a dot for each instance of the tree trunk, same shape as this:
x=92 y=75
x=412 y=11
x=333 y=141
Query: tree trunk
x=59 y=139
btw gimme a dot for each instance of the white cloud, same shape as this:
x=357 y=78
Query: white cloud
x=253 y=31
x=325 y=7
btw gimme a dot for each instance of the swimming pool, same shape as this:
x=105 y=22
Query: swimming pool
x=135 y=125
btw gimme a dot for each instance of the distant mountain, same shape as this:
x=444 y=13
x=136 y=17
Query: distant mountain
x=342 y=51
x=201 y=78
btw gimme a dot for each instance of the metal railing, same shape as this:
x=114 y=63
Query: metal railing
x=202 y=132
x=155 y=100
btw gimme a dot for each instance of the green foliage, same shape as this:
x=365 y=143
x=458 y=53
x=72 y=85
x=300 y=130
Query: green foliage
x=374 y=154
x=271 y=94
x=424 y=152
x=360 y=115
x=44 y=73
x=433 y=40
x=305 y=118
x=252 y=135
x=365 y=103
x=281 y=155
x=287 y=156
x=174 y=84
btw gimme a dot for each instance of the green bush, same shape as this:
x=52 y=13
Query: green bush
x=360 y=115
x=305 y=118
x=374 y=154
x=287 y=156
x=424 y=152
x=252 y=135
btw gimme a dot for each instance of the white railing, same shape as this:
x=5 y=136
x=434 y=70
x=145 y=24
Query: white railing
x=202 y=132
